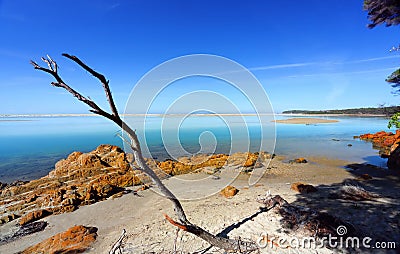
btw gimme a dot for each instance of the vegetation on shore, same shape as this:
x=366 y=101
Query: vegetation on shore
x=387 y=111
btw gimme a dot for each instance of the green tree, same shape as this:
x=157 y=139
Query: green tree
x=394 y=121
x=386 y=12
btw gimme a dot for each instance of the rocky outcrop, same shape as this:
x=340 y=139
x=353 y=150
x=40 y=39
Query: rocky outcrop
x=387 y=143
x=75 y=240
x=80 y=179
x=383 y=141
x=86 y=178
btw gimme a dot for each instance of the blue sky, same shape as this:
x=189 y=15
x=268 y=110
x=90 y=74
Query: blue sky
x=309 y=54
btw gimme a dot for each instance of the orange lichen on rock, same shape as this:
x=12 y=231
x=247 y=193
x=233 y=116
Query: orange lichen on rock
x=298 y=160
x=388 y=145
x=303 y=187
x=75 y=240
x=383 y=141
x=229 y=191
x=34 y=215
x=86 y=178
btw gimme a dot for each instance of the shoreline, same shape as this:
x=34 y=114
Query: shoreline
x=167 y=115
x=305 y=120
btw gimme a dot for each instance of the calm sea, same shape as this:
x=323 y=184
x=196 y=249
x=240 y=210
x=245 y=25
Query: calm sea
x=30 y=146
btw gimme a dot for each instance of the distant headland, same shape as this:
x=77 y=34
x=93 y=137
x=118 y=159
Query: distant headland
x=378 y=111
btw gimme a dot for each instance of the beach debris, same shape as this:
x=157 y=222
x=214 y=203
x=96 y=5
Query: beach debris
x=349 y=145
x=229 y=191
x=305 y=220
x=353 y=192
x=298 y=160
x=303 y=187
x=75 y=240
x=118 y=244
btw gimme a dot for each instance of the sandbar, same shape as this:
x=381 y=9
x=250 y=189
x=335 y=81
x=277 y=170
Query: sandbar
x=305 y=120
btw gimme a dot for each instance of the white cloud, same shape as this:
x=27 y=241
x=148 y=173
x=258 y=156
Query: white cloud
x=281 y=66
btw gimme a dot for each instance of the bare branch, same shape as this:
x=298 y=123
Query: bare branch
x=217 y=241
x=117 y=245
x=102 y=80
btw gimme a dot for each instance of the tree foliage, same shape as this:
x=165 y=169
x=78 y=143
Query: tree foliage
x=352 y=111
x=394 y=79
x=394 y=121
x=383 y=12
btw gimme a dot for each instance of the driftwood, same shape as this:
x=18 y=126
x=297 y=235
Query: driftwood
x=354 y=193
x=309 y=221
x=230 y=245
x=117 y=245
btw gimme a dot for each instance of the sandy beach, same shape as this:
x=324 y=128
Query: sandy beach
x=305 y=120
x=148 y=232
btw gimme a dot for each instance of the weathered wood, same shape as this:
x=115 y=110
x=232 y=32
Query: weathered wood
x=117 y=245
x=220 y=242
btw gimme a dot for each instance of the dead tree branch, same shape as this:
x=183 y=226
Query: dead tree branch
x=117 y=245
x=230 y=245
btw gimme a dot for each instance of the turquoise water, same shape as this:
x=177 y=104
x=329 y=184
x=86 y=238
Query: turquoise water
x=31 y=146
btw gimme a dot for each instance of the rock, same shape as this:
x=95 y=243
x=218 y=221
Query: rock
x=30 y=229
x=303 y=188
x=229 y=191
x=8 y=218
x=34 y=215
x=86 y=178
x=298 y=160
x=75 y=240
x=382 y=141
x=364 y=177
x=80 y=179
x=394 y=159
x=23 y=231
x=3 y=185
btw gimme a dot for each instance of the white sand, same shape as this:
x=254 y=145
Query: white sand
x=147 y=230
